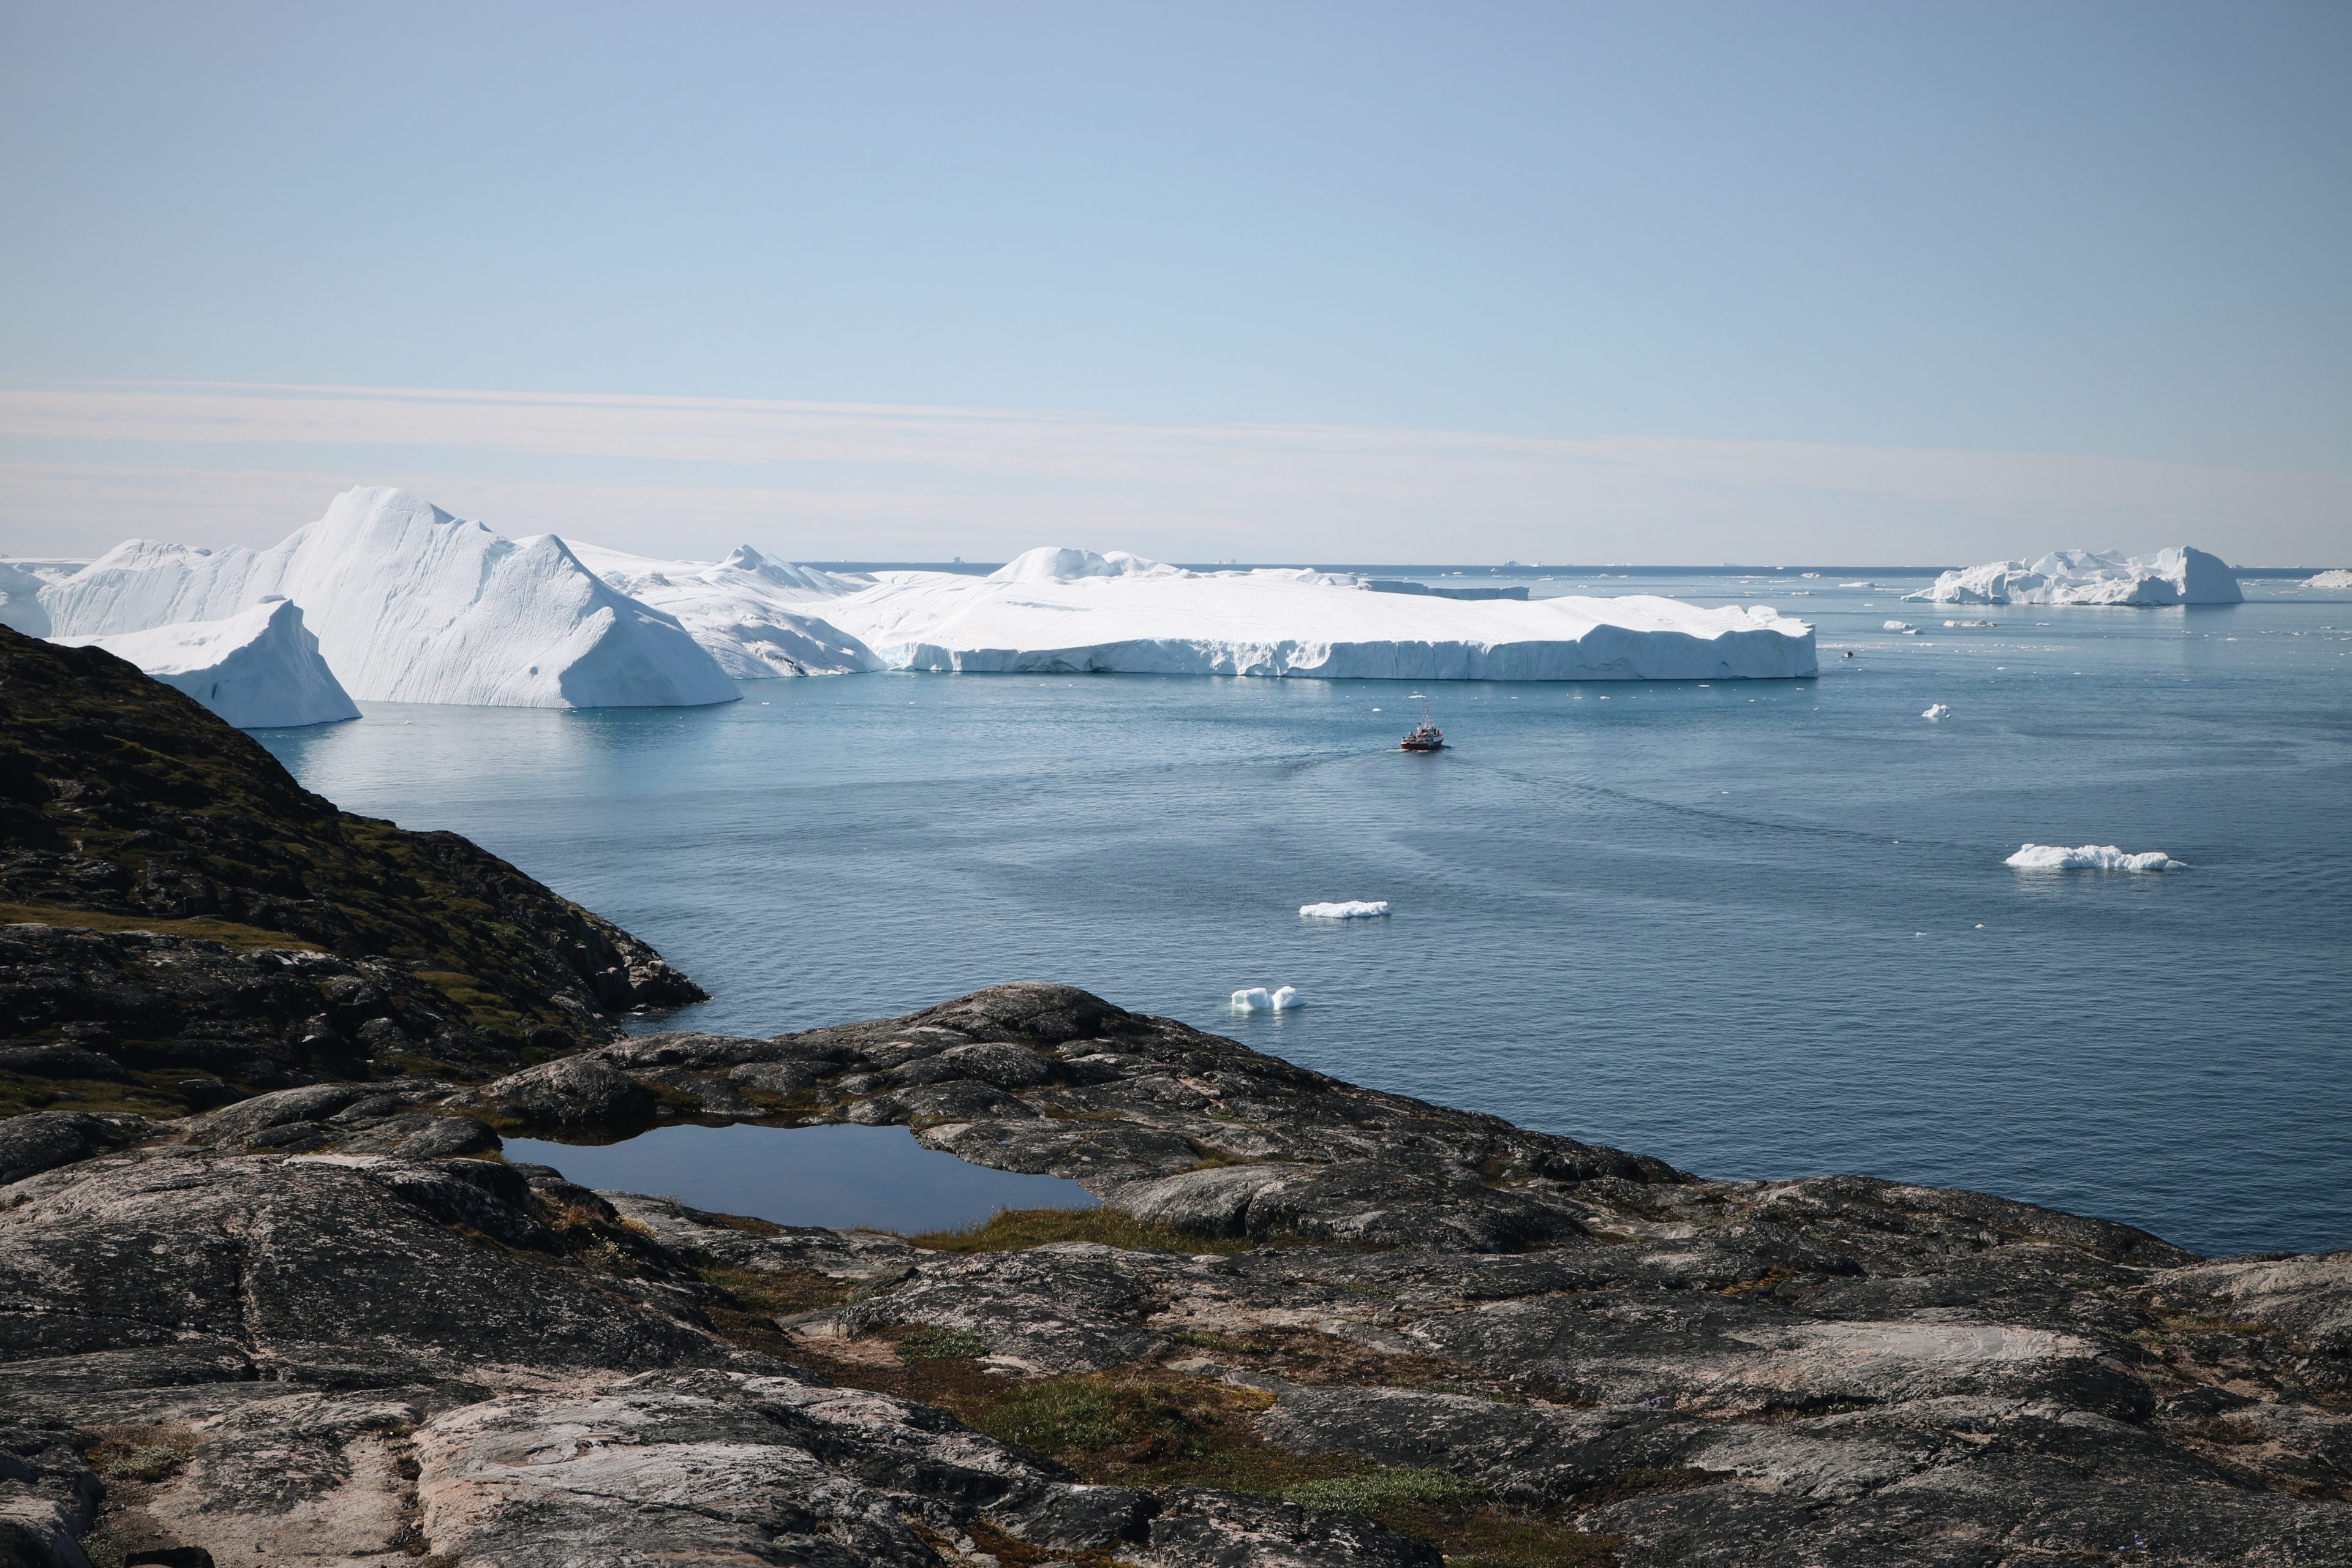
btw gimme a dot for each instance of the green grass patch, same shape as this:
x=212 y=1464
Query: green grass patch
x=1372 y=1491
x=1014 y=1230
x=228 y=932
x=930 y=1341
x=1096 y=1416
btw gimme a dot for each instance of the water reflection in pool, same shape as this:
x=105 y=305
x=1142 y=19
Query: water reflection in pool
x=839 y=1176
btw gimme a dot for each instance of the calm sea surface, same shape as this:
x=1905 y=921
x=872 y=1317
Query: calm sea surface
x=1759 y=929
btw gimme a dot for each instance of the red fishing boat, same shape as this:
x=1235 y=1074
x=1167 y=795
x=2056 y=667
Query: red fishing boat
x=1425 y=737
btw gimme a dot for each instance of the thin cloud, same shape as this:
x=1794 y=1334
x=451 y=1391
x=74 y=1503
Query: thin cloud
x=210 y=463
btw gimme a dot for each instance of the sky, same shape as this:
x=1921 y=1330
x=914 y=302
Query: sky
x=1668 y=282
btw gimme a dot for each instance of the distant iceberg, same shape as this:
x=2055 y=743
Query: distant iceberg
x=2337 y=578
x=412 y=605
x=1347 y=909
x=1938 y=710
x=259 y=669
x=752 y=613
x=2090 y=857
x=2179 y=575
x=1065 y=611
x=22 y=578
x=1257 y=999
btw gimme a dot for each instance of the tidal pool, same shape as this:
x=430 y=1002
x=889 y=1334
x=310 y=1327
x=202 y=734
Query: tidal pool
x=846 y=1177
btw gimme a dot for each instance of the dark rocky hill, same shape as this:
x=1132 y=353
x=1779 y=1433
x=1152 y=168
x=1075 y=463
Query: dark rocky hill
x=178 y=910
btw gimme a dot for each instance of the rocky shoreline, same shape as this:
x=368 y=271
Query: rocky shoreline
x=1313 y=1325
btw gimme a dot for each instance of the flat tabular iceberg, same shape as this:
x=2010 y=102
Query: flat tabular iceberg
x=2179 y=575
x=752 y=613
x=259 y=669
x=1071 y=611
x=1347 y=909
x=2090 y=857
x=412 y=605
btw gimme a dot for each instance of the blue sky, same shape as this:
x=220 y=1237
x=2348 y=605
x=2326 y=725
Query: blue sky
x=2113 y=238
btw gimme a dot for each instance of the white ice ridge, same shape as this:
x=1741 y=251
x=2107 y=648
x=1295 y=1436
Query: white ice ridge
x=1072 y=611
x=2177 y=575
x=1346 y=909
x=412 y=605
x=2090 y=857
x=259 y=669
x=2337 y=578
x=22 y=579
x=753 y=613
x=1256 y=1000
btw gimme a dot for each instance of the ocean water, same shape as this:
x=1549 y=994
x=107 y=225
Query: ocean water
x=1759 y=928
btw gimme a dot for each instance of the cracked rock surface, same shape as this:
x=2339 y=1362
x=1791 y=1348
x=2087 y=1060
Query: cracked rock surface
x=1314 y=1324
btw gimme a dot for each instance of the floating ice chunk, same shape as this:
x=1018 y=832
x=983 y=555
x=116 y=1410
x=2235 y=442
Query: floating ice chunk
x=1971 y=623
x=1898 y=625
x=2337 y=578
x=1253 y=1000
x=1062 y=611
x=2177 y=575
x=1286 y=998
x=259 y=669
x=412 y=605
x=1346 y=909
x=1938 y=710
x=2090 y=857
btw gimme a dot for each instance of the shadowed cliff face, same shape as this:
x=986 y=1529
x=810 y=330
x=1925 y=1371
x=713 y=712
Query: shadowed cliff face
x=179 y=907
x=1312 y=1326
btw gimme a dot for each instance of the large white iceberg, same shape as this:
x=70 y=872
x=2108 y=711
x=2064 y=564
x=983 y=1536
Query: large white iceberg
x=2090 y=857
x=21 y=582
x=412 y=605
x=1059 y=611
x=2177 y=575
x=259 y=669
x=2337 y=577
x=749 y=612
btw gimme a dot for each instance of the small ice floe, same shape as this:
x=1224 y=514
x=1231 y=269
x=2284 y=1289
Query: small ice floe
x=1346 y=909
x=1971 y=623
x=2090 y=857
x=1257 y=999
x=1938 y=710
x=1898 y=625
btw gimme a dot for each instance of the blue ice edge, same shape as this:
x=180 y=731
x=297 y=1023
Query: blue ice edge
x=842 y=1176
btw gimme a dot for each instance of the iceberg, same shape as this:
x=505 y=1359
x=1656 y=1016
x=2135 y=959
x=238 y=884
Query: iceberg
x=2177 y=575
x=412 y=605
x=2090 y=857
x=1347 y=909
x=1938 y=710
x=21 y=582
x=1256 y=1000
x=1065 y=611
x=259 y=668
x=751 y=612
x=2337 y=578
